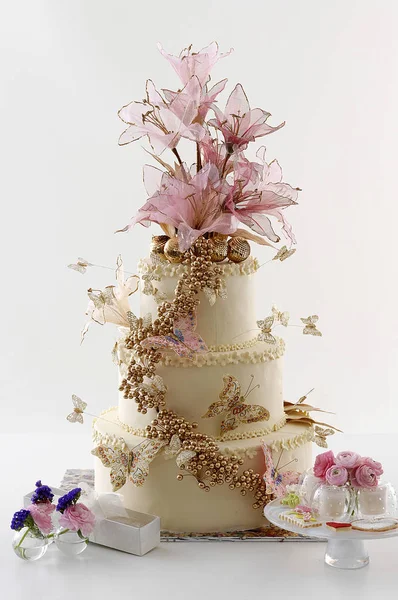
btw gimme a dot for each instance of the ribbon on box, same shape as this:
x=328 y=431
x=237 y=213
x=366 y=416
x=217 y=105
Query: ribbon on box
x=104 y=506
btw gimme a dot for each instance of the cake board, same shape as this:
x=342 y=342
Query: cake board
x=73 y=477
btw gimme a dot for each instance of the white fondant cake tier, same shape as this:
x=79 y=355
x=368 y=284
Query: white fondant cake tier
x=231 y=320
x=181 y=505
x=193 y=386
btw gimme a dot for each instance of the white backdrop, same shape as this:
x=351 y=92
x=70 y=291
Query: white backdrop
x=328 y=68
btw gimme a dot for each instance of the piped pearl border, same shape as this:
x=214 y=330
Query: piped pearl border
x=290 y=443
x=233 y=357
x=226 y=437
x=166 y=269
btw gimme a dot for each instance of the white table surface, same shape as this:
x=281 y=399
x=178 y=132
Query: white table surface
x=178 y=570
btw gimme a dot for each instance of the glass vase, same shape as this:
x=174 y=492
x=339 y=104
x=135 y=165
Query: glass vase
x=377 y=502
x=29 y=545
x=69 y=542
x=333 y=503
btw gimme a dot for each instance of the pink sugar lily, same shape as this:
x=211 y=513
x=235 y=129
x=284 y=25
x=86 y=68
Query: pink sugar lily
x=164 y=124
x=206 y=97
x=190 y=63
x=194 y=208
x=262 y=197
x=240 y=124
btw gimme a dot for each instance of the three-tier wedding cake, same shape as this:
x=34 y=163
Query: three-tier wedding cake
x=201 y=435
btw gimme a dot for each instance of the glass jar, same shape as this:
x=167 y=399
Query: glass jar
x=377 y=502
x=69 y=542
x=333 y=502
x=308 y=484
x=29 y=545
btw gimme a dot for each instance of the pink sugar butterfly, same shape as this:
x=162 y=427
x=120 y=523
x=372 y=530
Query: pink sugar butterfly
x=184 y=340
x=276 y=481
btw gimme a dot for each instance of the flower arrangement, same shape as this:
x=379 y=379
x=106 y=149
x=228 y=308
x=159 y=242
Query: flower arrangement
x=75 y=516
x=348 y=468
x=34 y=525
x=222 y=189
x=34 y=522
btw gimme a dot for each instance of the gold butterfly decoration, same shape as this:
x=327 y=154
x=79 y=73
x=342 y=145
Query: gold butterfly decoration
x=76 y=416
x=148 y=279
x=281 y=317
x=266 y=327
x=232 y=403
x=212 y=293
x=310 y=325
x=320 y=435
x=284 y=253
x=101 y=299
x=125 y=464
x=80 y=266
x=139 y=322
x=175 y=450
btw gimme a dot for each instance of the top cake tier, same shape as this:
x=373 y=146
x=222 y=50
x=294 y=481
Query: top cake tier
x=230 y=321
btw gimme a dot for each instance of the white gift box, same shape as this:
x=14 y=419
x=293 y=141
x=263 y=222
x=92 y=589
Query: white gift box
x=136 y=533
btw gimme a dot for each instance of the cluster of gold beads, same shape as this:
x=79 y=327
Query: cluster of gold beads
x=167 y=424
x=235 y=249
x=250 y=481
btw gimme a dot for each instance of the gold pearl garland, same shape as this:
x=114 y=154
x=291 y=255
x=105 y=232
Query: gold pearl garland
x=209 y=465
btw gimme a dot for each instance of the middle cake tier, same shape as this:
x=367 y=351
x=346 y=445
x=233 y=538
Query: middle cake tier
x=192 y=386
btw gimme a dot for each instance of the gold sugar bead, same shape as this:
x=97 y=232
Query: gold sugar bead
x=172 y=251
x=238 y=249
x=218 y=249
x=180 y=477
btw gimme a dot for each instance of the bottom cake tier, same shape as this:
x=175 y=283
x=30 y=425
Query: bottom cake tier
x=182 y=505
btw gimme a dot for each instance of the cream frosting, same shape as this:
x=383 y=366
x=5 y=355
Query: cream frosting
x=190 y=390
x=229 y=321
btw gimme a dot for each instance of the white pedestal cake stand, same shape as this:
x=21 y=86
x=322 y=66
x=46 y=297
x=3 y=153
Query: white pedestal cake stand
x=344 y=550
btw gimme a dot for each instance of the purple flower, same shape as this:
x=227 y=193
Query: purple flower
x=68 y=499
x=43 y=493
x=21 y=519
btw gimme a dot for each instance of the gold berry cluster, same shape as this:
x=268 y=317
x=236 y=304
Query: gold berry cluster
x=202 y=274
x=205 y=461
x=208 y=465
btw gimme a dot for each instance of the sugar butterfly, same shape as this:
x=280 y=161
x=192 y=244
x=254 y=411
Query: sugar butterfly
x=275 y=480
x=232 y=403
x=320 y=435
x=184 y=340
x=282 y=317
x=266 y=327
x=310 y=325
x=175 y=450
x=80 y=266
x=125 y=464
x=284 y=253
x=76 y=416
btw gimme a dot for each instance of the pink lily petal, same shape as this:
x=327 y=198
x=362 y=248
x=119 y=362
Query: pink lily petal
x=189 y=63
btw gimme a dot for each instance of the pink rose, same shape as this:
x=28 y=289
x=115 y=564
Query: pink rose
x=78 y=516
x=373 y=464
x=322 y=463
x=41 y=514
x=364 y=477
x=348 y=459
x=336 y=475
